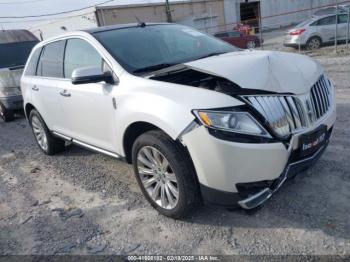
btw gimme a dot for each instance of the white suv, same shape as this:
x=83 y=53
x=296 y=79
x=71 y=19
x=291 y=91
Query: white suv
x=200 y=120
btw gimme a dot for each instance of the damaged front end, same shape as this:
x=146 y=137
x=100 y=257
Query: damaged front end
x=185 y=75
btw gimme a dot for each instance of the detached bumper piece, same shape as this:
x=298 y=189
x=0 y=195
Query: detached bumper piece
x=290 y=171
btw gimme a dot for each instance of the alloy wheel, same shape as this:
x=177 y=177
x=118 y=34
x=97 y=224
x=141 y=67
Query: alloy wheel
x=157 y=177
x=39 y=132
x=314 y=44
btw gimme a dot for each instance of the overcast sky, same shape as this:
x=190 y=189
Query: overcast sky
x=38 y=7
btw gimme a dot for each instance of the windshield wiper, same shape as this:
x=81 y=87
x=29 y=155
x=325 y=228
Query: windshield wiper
x=212 y=54
x=153 y=68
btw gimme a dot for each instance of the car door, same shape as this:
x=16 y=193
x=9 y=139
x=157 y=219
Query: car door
x=44 y=85
x=227 y=38
x=237 y=39
x=326 y=28
x=88 y=108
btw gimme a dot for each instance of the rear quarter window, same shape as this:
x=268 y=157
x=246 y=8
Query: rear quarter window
x=32 y=63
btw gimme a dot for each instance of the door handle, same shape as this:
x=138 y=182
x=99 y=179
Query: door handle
x=35 y=88
x=65 y=93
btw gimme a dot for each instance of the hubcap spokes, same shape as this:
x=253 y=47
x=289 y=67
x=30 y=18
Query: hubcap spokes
x=314 y=44
x=157 y=177
x=39 y=132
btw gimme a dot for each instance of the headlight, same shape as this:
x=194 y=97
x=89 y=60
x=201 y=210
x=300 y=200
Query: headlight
x=12 y=91
x=237 y=122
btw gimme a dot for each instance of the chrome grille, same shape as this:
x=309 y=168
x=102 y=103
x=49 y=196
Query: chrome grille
x=287 y=114
x=320 y=99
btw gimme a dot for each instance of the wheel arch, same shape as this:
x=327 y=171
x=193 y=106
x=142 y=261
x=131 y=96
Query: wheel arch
x=315 y=36
x=28 y=107
x=132 y=132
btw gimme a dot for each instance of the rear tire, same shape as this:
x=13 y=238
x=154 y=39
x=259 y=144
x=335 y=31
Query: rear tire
x=49 y=144
x=6 y=114
x=314 y=43
x=158 y=162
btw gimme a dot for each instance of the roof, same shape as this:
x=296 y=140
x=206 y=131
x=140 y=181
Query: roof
x=135 y=3
x=13 y=36
x=118 y=26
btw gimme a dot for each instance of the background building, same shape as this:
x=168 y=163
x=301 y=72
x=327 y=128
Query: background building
x=207 y=15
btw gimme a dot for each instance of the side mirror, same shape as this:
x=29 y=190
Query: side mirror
x=88 y=75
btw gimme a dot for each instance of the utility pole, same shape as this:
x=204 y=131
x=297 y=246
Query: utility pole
x=260 y=28
x=168 y=12
x=348 y=31
x=336 y=28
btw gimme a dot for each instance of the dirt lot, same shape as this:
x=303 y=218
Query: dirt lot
x=80 y=202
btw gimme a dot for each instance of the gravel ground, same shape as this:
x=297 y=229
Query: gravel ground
x=80 y=202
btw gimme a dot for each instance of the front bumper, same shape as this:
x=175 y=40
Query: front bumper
x=291 y=170
x=12 y=102
x=241 y=174
x=252 y=195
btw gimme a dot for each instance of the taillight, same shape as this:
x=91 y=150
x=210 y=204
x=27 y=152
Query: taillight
x=297 y=31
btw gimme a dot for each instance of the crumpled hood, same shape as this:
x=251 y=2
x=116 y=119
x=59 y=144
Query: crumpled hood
x=10 y=78
x=273 y=71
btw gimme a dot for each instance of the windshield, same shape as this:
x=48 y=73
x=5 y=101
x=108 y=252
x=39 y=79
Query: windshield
x=152 y=47
x=15 y=54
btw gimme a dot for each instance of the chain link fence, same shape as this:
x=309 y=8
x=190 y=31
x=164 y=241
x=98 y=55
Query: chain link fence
x=321 y=28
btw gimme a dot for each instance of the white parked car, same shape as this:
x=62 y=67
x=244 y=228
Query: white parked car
x=200 y=120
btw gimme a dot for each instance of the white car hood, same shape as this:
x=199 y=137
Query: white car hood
x=272 y=71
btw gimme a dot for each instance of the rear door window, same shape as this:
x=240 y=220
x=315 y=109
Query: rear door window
x=330 y=20
x=51 y=60
x=342 y=19
x=79 y=54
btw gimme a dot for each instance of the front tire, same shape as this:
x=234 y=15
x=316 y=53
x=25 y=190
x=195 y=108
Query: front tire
x=165 y=174
x=6 y=114
x=49 y=144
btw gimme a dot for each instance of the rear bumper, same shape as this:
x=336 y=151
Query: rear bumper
x=293 y=45
x=252 y=195
x=294 y=41
x=12 y=102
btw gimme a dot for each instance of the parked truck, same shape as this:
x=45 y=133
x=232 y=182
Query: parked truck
x=15 y=47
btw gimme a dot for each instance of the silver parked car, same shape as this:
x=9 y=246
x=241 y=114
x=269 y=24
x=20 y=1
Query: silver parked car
x=315 y=32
